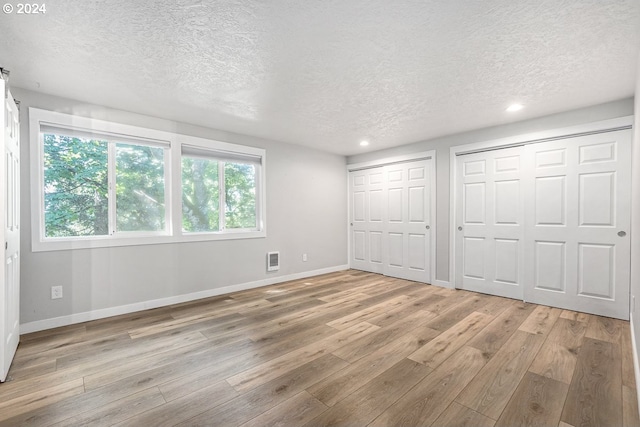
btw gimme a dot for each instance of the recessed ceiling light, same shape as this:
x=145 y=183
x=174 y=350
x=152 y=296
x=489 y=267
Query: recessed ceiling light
x=364 y=143
x=514 y=107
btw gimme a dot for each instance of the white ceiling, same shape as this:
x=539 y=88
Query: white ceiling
x=329 y=73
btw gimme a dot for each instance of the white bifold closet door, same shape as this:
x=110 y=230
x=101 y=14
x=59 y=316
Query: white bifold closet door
x=367 y=225
x=577 y=223
x=548 y=223
x=391 y=220
x=489 y=256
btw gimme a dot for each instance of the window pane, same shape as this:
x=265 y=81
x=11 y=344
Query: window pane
x=75 y=187
x=140 y=188
x=240 y=195
x=200 y=195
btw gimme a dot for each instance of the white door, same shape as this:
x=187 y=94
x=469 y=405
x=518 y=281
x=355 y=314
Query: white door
x=489 y=222
x=577 y=223
x=407 y=252
x=10 y=290
x=390 y=215
x=367 y=226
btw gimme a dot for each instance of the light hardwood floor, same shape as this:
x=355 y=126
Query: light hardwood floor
x=347 y=348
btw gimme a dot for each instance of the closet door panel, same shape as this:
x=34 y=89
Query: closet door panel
x=367 y=199
x=408 y=222
x=577 y=223
x=489 y=218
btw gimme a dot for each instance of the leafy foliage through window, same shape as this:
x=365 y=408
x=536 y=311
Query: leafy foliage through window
x=217 y=195
x=76 y=187
x=99 y=184
x=200 y=195
x=240 y=195
x=139 y=188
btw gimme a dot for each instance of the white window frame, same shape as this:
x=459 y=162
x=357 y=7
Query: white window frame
x=112 y=169
x=215 y=147
x=173 y=184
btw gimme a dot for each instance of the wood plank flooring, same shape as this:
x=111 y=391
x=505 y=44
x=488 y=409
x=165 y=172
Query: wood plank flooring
x=347 y=348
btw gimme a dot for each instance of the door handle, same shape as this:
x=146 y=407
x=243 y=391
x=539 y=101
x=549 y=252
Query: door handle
x=622 y=233
x=459 y=228
x=427 y=227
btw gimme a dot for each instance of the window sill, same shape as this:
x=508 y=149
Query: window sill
x=110 y=242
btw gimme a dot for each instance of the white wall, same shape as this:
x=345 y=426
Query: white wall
x=306 y=213
x=441 y=145
x=635 y=218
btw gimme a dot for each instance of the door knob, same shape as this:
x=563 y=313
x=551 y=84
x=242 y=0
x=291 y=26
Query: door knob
x=459 y=228
x=622 y=233
x=427 y=227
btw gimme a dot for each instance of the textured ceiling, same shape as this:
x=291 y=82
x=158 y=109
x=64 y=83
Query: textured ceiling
x=333 y=72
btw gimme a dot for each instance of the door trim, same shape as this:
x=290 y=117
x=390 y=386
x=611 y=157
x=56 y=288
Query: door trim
x=423 y=155
x=619 y=123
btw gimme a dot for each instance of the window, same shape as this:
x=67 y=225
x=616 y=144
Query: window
x=95 y=185
x=140 y=188
x=240 y=195
x=75 y=186
x=98 y=183
x=90 y=180
x=200 y=195
x=218 y=190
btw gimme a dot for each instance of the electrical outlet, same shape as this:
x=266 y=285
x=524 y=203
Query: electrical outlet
x=304 y=257
x=56 y=292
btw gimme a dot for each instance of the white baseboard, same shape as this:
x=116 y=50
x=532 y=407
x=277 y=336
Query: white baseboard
x=636 y=365
x=86 y=316
x=443 y=284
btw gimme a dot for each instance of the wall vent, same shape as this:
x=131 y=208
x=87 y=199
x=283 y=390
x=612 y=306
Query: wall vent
x=273 y=261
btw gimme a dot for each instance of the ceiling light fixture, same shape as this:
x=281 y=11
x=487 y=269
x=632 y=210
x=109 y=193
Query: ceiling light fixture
x=514 y=107
x=364 y=143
